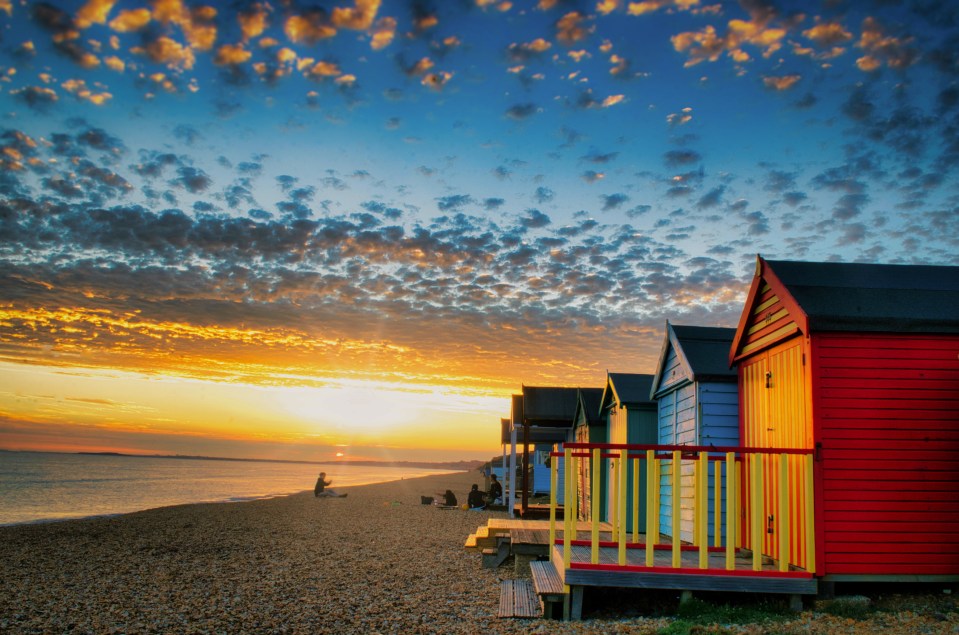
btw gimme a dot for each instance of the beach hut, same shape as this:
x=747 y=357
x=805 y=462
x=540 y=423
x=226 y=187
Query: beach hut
x=546 y=414
x=859 y=363
x=589 y=426
x=697 y=404
x=630 y=418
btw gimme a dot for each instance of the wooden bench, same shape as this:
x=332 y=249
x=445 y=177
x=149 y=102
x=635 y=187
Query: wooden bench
x=518 y=599
x=548 y=586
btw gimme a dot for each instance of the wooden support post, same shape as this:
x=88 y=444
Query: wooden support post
x=553 y=486
x=756 y=510
x=637 y=498
x=784 y=521
x=677 y=505
x=525 y=504
x=621 y=534
x=652 y=498
x=717 y=504
x=702 y=511
x=810 y=524
x=568 y=522
x=594 y=534
x=732 y=512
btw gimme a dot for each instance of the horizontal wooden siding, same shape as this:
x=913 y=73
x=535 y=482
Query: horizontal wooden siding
x=888 y=411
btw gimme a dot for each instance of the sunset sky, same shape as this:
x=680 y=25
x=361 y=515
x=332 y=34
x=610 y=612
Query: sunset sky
x=296 y=230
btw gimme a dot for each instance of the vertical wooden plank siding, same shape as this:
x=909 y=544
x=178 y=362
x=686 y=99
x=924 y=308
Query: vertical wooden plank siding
x=888 y=414
x=775 y=414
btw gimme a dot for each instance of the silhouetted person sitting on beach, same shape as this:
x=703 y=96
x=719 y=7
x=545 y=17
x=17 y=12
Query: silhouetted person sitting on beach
x=321 y=485
x=495 y=490
x=475 y=499
x=449 y=498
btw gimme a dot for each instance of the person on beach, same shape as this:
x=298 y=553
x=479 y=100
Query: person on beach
x=449 y=498
x=320 y=488
x=475 y=498
x=495 y=490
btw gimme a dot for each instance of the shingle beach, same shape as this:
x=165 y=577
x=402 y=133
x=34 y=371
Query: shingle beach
x=375 y=562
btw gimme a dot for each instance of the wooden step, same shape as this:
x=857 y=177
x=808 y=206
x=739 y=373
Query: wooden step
x=471 y=542
x=495 y=556
x=548 y=587
x=518 y=599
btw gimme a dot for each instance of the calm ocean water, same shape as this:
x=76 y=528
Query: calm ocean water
x=40 y=486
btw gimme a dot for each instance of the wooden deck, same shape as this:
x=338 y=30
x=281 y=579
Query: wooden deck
x=688 y=577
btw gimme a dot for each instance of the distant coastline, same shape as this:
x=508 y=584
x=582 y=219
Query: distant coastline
x=458 y=466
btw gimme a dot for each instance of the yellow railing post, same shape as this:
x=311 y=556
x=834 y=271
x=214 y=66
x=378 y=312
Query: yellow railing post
x=594 y=533
x=553 y=486
x=756 y=509
x=810 y=521
x=784 y=520
x=696 y=493
x=702 y=512
x=677 y=506
x=717 y=504
x=568 y=522
x=652 y=498
x=732 y=512
x=623 y=476
x=637 y=498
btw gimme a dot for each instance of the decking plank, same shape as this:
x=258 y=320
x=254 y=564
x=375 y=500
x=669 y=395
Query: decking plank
x=518 y=599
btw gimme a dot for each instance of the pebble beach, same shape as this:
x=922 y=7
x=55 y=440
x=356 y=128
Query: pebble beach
x=376 y=561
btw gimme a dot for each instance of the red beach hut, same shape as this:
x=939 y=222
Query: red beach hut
x=860 y=363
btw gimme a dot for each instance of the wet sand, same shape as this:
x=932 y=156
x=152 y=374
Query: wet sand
x=375 y=562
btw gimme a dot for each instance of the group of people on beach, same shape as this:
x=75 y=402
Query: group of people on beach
x=476 y=499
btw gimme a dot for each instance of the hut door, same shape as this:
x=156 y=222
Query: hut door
x=774 y=416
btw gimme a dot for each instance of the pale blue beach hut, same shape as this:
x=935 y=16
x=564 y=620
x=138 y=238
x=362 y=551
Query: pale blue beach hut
x=697 y=401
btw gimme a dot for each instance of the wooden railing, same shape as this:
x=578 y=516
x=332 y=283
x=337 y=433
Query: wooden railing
x=761 y=501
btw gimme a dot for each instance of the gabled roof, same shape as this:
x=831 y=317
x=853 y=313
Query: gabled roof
x=702 y=350
x=626 y=389
x=833 y=296
x=547 y=406
x=588 y=402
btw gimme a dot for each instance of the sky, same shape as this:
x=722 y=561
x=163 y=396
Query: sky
x=353 y=228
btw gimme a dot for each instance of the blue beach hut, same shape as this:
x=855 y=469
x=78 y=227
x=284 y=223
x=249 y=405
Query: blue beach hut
x=697 y=401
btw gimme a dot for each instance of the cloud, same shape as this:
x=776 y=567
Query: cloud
x=544 y=195
x=783 y=82
x=521 y=111
x=453 y=202
x=535 y=219
x=880 y=48
x=680 y=158
x=38 y=98
x=571 y=28
x=613 y=201
x=192 y=179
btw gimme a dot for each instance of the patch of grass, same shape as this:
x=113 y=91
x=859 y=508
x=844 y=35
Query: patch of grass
x=856 y=607
x=699 y=616
x=703 y=612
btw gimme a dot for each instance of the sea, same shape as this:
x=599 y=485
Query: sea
x=47 y=486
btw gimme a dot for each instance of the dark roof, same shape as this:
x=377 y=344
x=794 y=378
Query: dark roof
x=629 y=388
x=868 y=297
x=706 y=349
x=590 y=400
x=547 y=406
